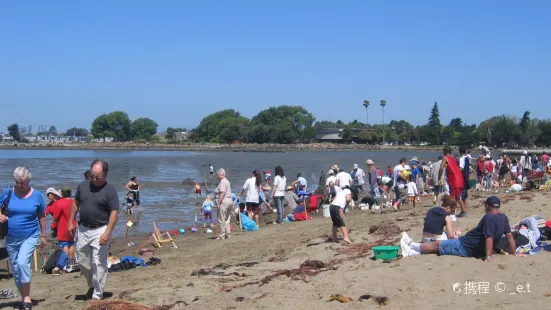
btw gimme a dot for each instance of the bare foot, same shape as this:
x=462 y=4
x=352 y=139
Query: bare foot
x=347 y=241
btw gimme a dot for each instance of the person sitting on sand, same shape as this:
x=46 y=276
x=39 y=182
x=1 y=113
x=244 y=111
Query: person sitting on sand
x=438 y=222
x=478 y=242
x=337 y=214
x=291 y=199
x=206 y=209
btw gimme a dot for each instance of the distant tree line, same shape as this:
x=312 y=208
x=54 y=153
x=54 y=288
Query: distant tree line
x=294 y=124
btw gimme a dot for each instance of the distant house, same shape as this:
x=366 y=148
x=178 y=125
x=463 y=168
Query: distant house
x=5 y=137
x=181 y=136
x=328 y=134
x=334 y=134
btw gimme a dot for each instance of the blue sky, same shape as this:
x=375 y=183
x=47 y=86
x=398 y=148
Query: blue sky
x=66 y=62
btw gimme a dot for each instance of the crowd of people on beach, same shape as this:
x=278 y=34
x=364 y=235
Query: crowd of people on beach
x=83 y=224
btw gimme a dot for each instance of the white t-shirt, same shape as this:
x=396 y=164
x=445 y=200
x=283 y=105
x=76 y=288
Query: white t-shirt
x=397 y=180
x=360 y=174
x=344 y=179
x=252 y=190
x=279 y=186
x=412 y=189
x=329 y=179
x=340 y=199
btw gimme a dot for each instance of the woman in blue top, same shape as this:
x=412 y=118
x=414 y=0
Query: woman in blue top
x=26 y=225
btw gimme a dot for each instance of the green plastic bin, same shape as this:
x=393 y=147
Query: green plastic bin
x=386 y=252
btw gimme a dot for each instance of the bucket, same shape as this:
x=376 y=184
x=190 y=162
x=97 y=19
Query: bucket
x=386 y=252
x=325 y=209
x=472 y=183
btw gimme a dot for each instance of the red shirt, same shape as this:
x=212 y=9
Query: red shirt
x=61 y=213
x=379 y=173
x=489 y=167
x=389 y=171
x=50 y=210
x=480 y=166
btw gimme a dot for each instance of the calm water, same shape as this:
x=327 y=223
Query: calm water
x=161 y=173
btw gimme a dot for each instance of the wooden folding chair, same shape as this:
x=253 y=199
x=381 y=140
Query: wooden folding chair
x=161 y=238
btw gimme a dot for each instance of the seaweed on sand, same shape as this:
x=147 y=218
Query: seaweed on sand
x=308 y=268
x=117 y=304
x=385 y=229
x=528 y=198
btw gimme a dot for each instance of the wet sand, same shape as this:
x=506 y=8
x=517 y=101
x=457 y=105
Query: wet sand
x=422 y=281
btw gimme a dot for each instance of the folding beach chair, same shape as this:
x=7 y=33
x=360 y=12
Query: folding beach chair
x=161 y=238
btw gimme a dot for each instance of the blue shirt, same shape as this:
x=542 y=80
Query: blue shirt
x=491 y=225
x=23 y=214
x=207 y=206
x=302 y=181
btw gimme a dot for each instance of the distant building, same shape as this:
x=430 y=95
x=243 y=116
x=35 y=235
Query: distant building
x=328 y=134
x=5 y=137
x=181 y=136
x=334 y=134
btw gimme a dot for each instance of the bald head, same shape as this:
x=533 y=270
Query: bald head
x=98 y=172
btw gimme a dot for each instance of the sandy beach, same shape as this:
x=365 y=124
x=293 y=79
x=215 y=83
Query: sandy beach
x=422 y=281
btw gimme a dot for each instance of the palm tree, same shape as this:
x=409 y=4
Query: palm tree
x=383 y=104
x=366 y=105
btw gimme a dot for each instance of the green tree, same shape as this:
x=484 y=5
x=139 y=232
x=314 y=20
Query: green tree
x=347 y=133
x=13 y=130
x=52 y=131
x=434 y=135
x=144 y=128
x=383 y=105
x=283 y=124
x=116 y=125
x=366 y=105
x=223 y=126
x=170 y=133
x=77 y=132
x=544 y=127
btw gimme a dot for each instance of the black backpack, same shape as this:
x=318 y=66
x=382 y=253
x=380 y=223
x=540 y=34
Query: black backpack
x=52 y=261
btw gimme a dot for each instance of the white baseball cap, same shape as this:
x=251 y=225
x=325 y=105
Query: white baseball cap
x=52 y=190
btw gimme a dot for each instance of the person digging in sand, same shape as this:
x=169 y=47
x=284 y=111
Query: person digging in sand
x=336 y=210
x=478 y=242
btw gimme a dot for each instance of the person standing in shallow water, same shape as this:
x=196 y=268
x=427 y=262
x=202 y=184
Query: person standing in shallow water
x=134 y=187
x=98 y=205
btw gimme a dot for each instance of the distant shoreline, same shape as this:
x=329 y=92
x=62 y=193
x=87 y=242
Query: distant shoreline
x=196 y=147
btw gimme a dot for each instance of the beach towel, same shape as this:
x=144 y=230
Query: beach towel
x=455 y=177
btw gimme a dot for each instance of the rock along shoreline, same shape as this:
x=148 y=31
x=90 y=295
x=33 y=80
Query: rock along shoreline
x=206 y=147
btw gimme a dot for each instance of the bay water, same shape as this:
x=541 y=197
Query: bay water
x=160 y=173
